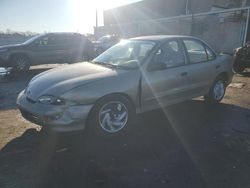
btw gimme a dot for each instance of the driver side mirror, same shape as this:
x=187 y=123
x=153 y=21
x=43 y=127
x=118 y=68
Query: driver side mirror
x=157 y=66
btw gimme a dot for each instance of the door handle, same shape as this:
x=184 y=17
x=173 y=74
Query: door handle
x=184 y=74
x=217 y=66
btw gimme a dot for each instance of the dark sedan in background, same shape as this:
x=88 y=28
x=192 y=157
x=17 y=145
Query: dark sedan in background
x=47 y=48
x=104 y=43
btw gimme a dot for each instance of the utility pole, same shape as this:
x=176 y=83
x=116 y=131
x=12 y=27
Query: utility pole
x=96 y=17
x=187 y=11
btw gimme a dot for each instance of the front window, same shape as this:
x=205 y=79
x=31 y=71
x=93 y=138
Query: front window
x=32 y=39
x=170 y=54
x=44 y=41
x=127 y=53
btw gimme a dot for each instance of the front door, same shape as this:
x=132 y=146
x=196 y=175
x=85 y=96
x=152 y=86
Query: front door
x=165 y=80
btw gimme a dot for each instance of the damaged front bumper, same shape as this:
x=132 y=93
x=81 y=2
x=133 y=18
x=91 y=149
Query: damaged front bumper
x=61 y=118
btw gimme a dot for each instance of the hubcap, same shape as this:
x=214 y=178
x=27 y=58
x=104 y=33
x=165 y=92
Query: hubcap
x=113 y=116
x=219 y=90
x=21 y=63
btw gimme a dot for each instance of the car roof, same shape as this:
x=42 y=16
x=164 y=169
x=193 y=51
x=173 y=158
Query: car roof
x=161 y=37
x=63 y=33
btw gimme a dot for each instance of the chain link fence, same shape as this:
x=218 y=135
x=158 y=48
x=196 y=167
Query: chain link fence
x=223 y=30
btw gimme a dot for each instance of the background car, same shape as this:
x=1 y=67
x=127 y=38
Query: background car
x=47 y=48
x=105 y=43
x=134 y=76
x=242 y=58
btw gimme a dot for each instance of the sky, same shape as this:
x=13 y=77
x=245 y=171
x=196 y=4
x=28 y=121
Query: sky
x=54 y=15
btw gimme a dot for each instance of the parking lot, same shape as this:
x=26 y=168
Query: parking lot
x=191 y=144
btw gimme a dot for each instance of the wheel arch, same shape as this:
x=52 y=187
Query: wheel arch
x=224 y=76
x=15 y=54
x=117 y=94
x=110 y=95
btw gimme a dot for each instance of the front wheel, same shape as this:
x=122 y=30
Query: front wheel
x=111 y=115
x=216 y=92
x=20 y=63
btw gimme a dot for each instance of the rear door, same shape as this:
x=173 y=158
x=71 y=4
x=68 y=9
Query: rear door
x=75 y=48
x=49 y=49
x=60 y=47
x=166 y=85
x=42 y=51
x=203 y=66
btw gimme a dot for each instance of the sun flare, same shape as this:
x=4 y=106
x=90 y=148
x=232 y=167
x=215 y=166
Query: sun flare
x=84 y=12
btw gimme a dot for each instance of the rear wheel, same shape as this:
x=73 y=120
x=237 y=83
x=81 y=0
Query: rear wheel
x=216 y=92
x=111 y=115
x=20 y=63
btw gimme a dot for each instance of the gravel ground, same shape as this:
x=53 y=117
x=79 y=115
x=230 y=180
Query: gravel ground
x=191 y=144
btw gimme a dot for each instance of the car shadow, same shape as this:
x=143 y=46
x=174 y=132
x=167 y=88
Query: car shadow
x=11 y=86
x=179 y=146
x=246 y=73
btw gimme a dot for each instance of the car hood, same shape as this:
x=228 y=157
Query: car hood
x=60 y=80
x=10 y=46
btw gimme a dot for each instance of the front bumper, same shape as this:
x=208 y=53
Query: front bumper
x=59 y=118
x=5 y=71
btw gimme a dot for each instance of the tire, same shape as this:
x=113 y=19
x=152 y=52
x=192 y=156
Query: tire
x=20 y=63
x=216 y=92
x=112 y=115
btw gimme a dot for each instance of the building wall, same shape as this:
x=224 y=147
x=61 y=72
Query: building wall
x=223 y=31
x=144 y=10
x=154 y=9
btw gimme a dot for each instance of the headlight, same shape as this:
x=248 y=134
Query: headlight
x=3 y=50
x=51 y=100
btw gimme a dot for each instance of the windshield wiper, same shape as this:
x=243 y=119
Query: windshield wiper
x=104 y=64
x=111 y=65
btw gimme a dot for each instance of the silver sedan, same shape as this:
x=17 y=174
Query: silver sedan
x=132 y=77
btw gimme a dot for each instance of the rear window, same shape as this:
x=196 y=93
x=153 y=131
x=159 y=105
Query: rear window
x=196 y=51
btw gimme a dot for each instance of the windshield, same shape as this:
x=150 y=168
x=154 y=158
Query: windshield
x=32 y=39
x=127 y=53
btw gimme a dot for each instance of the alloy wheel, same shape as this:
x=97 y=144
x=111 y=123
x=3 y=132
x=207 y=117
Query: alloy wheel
x=218 y=90
x=21 y=63
x=113 y=116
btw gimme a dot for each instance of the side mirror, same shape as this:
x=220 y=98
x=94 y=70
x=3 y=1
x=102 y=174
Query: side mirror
x=157 y=66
